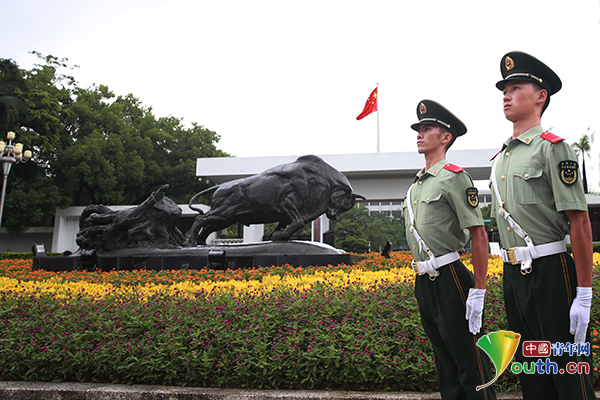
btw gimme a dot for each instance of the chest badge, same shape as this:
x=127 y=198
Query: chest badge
x=472 y=197
x=568 y=172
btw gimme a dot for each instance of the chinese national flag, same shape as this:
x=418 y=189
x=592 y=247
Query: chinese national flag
x=370 y=106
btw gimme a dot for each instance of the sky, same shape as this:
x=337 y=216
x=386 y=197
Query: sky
x=286 y=77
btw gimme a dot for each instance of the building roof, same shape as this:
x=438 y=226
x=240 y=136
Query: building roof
x=399 y=165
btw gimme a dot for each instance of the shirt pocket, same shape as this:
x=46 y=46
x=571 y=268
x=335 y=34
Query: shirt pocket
x=431 y=209
x=527 y=185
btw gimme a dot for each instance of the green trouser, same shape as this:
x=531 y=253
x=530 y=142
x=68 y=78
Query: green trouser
x=461 y=365
x=537 y=306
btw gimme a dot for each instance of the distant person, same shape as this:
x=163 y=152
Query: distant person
x=440 y=209
x=538 y=199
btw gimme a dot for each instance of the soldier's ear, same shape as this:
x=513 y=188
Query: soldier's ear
x=542 y=96
x=446 y=137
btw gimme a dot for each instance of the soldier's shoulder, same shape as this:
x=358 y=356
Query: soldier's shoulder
x=551 y=137
x=453 y=168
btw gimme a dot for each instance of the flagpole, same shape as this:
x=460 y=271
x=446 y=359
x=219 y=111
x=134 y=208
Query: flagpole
x=377 y=100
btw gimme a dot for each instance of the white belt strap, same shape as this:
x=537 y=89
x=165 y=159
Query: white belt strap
x=433 y=264
x=517 y=255
x=523 y=255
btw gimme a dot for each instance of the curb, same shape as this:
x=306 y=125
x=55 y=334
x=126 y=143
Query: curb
x=99 y=391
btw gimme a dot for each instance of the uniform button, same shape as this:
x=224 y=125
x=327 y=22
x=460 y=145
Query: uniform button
x=503 y=203
x=415 y=202
x=508 y=228
x=420 y=182
x=428 y=199
x=507 y=154
x=414 y=246
x=526 y=175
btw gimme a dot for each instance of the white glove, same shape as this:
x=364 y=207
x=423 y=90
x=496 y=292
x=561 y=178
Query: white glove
x=580 y=313
x=475 y=309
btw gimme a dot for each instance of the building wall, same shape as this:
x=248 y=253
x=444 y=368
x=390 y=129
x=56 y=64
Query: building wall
x=23 y=242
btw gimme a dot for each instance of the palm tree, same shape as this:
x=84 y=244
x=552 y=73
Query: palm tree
x=583 y=147
x=12 y=106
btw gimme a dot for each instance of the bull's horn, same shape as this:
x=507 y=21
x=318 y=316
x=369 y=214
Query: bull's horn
x=358 y=196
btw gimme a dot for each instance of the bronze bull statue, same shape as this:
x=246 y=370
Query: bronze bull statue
x=292 y=194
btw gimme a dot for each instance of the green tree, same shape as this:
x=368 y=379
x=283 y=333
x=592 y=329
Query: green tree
x=119 y=152
x=350 y=236
x=375 y=228
x=492 y=227
x=355 y=244
x=93 y=147
x=383 y=227
x=583 y=147
x=12 y=106
x=303 y=233
x=32 y=194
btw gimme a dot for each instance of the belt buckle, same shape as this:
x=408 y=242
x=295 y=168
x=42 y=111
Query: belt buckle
x=432 y=277
x=512 y=257
x=526 y=267
x=415 y=267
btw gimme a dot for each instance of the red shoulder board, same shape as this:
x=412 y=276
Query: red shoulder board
x=551 y=137
x=453 y=168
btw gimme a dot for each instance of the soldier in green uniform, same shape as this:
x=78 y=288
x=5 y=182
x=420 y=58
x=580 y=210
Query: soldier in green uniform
x=440 y=209
x=538 y=199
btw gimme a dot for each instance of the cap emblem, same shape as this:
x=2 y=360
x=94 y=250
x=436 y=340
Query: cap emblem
x=422 y=109
x=509 y=63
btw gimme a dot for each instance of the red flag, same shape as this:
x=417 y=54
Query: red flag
x=370 y=106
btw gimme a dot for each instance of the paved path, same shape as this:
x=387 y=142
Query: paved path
x=98 y=391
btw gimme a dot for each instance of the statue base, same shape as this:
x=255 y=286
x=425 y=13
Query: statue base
x=219 y=257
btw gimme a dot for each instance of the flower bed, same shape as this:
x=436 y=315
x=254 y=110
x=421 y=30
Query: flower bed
x=345 y=327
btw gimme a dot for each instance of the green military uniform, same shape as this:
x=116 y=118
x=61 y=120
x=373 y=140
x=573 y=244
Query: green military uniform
x=444 y=203
x=442 y=210
x=535 y=184
x=537 y=178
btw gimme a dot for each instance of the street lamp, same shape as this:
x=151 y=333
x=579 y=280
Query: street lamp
x=9 y=154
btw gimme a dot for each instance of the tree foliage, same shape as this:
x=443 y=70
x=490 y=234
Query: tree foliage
x=583 y=147
x=12 y=106
x=94 y=147
x=358 y=231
